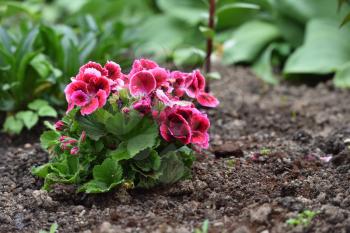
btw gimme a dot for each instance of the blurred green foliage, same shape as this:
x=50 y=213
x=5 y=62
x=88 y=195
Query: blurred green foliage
x=43 y=42
x=296 y=37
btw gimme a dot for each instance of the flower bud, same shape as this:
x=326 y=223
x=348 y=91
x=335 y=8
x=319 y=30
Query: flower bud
x=59 y=125
x=74 y=151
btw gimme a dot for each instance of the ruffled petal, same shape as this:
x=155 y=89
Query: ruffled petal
x=114 y=70
x=90 y=107
x=207 y=100
x=142 y=83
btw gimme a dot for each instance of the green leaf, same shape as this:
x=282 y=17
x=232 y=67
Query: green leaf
x=248 y=41
x=173 y=34
x=345 y=20
x=49 y=139
x=145 y=137
x=172 y=169
x=47 y=111
x=7 y=102
x=323 y=40
x=53 y=228
x=264 y=67
x=342 y=76
x=147 y=161
x=29 y=118
x=191 y=11
x=13 y=125
x=234 y=14
x=188 y=56
x=42 y=65
x=41 y=171
x=94 y=129
x=120 y=153
x=106 y=176
x=213 y=76
x=207 y=32
x=122 y=125
x=37 y=104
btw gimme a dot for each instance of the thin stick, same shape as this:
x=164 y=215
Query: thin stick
x=210 y=40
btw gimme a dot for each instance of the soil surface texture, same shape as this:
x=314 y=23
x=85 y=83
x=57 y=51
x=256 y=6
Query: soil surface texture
x=275 y=152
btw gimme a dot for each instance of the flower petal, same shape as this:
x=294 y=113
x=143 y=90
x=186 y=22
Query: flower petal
x=160 y=74
x=114 y=70
x=74 y=86
x=79 y=98
x=142 y=83
x=90 y=107
x=207 y=100
x=102 y=98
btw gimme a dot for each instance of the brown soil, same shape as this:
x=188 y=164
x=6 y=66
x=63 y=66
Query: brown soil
x=268 y=142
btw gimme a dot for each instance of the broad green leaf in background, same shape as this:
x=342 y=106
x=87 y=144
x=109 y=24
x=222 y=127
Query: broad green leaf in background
x=234 y=14
x=13 y=125
x=207 y=32
x=47 y=111
x=28 y=118
x=326 y=49
x=105 y=177
x=264 y=66
x=160 y=35
x=248 y=41
x=37 y=104
x=342 y=76
x=190 y=11
x=188 y=56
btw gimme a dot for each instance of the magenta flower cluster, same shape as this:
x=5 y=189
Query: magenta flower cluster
x=149 y=86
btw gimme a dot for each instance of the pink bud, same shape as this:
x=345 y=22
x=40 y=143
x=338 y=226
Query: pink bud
x=74 y=151
x=59 y=125
x=83 y=136
x=126 y=110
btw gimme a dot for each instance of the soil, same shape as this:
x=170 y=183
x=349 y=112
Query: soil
x=270 y=161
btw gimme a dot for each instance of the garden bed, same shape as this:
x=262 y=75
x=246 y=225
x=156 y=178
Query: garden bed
x=268 y=143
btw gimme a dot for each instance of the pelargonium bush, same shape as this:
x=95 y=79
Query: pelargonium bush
x=138 y=129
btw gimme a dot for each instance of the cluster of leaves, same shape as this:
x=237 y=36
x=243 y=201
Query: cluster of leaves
x=296 y=36
x=119 y=149
x=29 y=118
x=37 y=59
x=304 y=218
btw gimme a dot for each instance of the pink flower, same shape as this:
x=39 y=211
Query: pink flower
x=164 y=98
x=142 y=64
x=89 y=90
x=161 y=75
x=186 y=124
x=207 y=100
x=178 y=79
x=114 y=70
x=142 y=83
x=59 y=125
x=143 y=105
x=176 y=127
x=195 y=84
x=92 y=68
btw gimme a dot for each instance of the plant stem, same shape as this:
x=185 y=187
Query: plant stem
x=210 y=41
